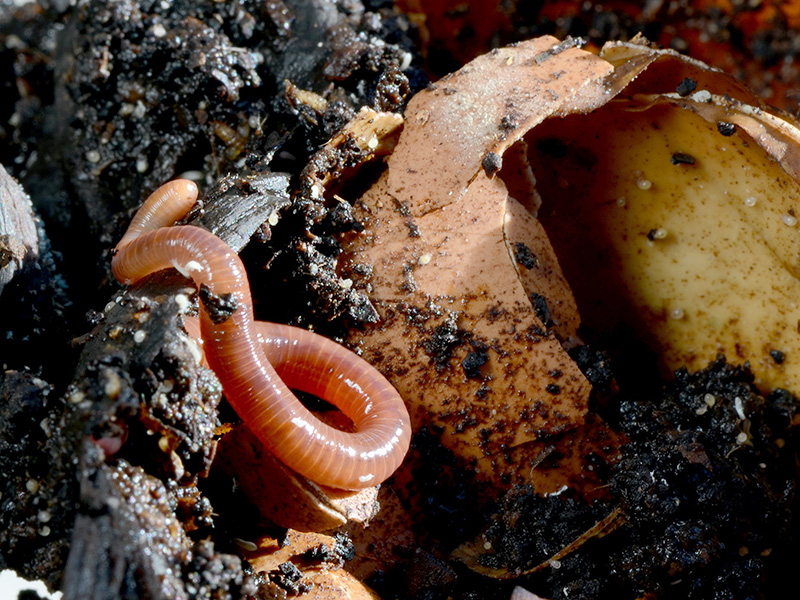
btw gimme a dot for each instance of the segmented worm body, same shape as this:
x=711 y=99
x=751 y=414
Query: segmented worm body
x=235 y=349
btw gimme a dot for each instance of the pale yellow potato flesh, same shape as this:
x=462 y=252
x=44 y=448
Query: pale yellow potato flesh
x=699 y=258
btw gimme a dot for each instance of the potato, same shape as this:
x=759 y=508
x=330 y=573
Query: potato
x=679 y=217
x=541 y=187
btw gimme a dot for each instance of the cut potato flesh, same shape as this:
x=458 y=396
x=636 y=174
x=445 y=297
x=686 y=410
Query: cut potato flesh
x=688 y=235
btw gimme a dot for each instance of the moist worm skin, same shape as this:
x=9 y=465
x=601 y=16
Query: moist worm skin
x=235 y=352
x=162 y=208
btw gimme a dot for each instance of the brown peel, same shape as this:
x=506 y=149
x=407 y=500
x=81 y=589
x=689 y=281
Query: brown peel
x=322 y=581
x=459 y=336
x=282 y=496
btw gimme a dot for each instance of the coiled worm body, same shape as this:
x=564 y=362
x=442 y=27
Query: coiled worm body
x=235 y=350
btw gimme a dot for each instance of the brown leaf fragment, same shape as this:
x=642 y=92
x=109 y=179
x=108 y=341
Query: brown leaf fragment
x=538 y=270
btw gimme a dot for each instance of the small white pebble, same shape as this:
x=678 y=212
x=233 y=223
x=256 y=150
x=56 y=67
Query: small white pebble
x=702 y=96
x=750 y=201
x=345 y=284
x=139 y=110
x=76 y=397
x=789 y=220
x=32 y=486
x=159 y=30
x=245 y=544
x=520 y=593
x=677 y=314
x=643 y=184
x=194 y=348
x=182 y=300
x=372 y=143
x=316 y=192
x=112 y=385
x=14 y=42
x=93 y=156
x=44 y=516
x=702 y=410
x=139 y=336
x=273 y=219
x=487 y=545
x=313 y=269
x=194 y=175
x=44 y=531
x=556 y=564
x=739 y=406
x=142 y=165
x=741 y=438
x=424 y=259
x=108 y=306
x=659 y=234
x=405 y=62
x=710 y=399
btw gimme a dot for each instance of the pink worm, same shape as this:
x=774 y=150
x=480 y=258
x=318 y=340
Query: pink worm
x=235 y=349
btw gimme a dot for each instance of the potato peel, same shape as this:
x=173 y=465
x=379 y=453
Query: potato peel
x=459 y=336
x=460 y=245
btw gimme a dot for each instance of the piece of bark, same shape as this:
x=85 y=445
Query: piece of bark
x=19 y=241
x=141 y=397
x=127 y=542
x=34 y=305
x=240 y=205
x=38 y=501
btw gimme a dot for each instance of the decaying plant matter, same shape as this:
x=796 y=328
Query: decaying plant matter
x=526 y=251
x=655 y=240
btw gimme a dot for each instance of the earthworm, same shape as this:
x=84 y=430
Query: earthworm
x=235 y=352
